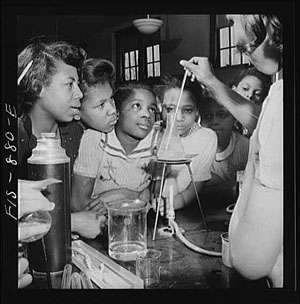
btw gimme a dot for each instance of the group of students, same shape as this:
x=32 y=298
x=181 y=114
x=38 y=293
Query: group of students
x=111 y=147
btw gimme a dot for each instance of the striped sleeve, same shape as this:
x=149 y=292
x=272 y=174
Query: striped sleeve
x=89 y=155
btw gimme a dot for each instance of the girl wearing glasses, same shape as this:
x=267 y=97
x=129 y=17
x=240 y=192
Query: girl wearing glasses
x=256 y=225
x=232 y=151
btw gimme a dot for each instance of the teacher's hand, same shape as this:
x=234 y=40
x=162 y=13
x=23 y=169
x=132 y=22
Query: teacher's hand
x=24 y=278
x=198 y=67
x=30 y=197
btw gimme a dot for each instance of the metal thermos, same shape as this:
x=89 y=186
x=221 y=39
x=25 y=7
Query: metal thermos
x=49 y=159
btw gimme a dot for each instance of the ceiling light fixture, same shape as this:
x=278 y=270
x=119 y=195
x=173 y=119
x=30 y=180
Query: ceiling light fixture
x=148 y=25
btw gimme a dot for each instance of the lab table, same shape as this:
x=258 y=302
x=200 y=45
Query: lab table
x=181 y=267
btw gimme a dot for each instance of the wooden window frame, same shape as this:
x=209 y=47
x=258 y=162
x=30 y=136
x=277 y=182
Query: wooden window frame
x=142 y=43
x=132 y=66
x=243 y=60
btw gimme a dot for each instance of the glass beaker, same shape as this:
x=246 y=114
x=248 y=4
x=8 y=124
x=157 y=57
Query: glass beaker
x=171 y=147
x=127 y=228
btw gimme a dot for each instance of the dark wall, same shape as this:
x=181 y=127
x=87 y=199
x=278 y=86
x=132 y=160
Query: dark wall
x=35 y=26
x=191 y=34
x=190 y=31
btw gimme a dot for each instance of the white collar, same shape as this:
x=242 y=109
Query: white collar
x=228 y=151
x=112 y=145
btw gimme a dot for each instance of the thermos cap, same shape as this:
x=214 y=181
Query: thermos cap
x=48 y=151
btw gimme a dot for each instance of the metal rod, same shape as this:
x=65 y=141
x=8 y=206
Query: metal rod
x=193 y=182
x=159 y=199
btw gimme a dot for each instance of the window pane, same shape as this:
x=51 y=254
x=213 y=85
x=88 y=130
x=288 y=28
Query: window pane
x=127 y=75
x=156 y=52
x=137 y=73
x=137 y=57
x=224 y=37
x=150 y=70
x=132 y=58
x=246 y=59
x=235 y=57
x=149 y=54
x=157 y=69
x=232 y=33
x=133 y=75
x=224 y=57
x=126 y=61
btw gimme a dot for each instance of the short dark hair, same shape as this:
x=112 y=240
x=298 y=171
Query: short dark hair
x=97 y=71
x=175 y=81
x=206 y=103
x=44 y=57
x=126 y=90
x=252 y=71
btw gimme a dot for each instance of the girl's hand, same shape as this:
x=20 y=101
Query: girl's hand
x=88 y=224
x=161 y=207
x=96 y=205
x=164 y=208
x=145 y=195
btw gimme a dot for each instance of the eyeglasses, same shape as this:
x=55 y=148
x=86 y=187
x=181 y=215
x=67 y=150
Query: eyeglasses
x=248 y=48
x=219 y=115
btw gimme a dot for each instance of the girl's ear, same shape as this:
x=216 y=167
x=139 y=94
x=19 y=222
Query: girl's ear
x=37 y=86
x=234 y=88
x=198 y=118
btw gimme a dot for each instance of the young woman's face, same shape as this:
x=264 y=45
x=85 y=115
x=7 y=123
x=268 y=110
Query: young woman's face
x=218 y=119
x=187 y=111
x=98 y=109
x=266 y=57
x=60 y=101
x=251 y=88
x=137 y=115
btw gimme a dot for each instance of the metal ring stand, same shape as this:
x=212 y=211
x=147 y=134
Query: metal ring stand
x=165 y=162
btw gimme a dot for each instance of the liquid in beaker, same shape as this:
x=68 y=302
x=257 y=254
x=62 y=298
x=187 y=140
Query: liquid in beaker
x=127 y=228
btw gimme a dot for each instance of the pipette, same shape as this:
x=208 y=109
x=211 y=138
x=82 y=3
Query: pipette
x=177 y=107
